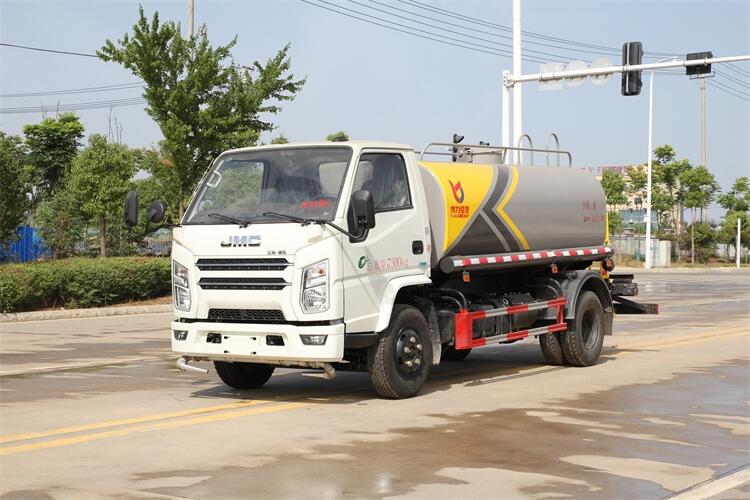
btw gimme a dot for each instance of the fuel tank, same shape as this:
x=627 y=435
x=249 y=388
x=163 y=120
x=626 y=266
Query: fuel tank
x=481 y=209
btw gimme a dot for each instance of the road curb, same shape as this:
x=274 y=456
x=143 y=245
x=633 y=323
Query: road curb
x=84 y=313
x=679 y=270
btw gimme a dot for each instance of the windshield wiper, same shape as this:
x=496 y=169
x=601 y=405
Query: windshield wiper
x=242 y=222
x=305 y=222
x=292 y=218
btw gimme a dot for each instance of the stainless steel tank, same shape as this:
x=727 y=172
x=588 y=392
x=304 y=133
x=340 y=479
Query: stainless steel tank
x=480 y=209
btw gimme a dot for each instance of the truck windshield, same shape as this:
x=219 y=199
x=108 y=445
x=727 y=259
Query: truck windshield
x=299 y=182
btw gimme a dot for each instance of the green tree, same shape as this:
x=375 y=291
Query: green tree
x=614 y=188
x=280 y=140
x=13 y=186
x=737 y=199
x=161 y=184
x=700 y=190
x=614 y=221
x=703 y=237
x=337 y=136
x=62 y=222
x=52 y=145
x=100 y=178
x=727 y=231
x=202 y=102
x=636 y=182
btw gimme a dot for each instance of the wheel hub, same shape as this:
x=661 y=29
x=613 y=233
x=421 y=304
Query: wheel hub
x=409 y=352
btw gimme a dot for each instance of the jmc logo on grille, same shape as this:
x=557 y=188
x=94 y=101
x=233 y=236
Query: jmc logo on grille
x=242 y=241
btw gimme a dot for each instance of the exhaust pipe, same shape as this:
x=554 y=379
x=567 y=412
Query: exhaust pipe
x=183 y=365
x=329 y=372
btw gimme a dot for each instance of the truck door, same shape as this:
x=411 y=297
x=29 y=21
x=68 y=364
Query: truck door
x=396 y=246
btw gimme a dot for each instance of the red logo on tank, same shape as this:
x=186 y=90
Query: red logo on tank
x=458 y=191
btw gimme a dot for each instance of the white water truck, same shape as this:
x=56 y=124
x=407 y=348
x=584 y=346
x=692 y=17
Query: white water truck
x=361 y=256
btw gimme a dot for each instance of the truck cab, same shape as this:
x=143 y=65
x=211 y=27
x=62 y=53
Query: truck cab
x=263 y=268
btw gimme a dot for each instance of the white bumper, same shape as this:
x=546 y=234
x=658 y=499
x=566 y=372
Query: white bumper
x=247 y=342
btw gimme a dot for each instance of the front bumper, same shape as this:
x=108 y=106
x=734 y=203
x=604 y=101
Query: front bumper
x=247 y=342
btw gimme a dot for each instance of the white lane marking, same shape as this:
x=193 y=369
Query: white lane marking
x=713 y=487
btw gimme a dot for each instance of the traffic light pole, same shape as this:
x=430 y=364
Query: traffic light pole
x=511 y=80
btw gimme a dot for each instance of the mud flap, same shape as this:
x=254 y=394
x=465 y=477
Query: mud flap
x=627 y=306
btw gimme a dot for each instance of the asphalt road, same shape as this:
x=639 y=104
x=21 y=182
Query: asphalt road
x=94 y=408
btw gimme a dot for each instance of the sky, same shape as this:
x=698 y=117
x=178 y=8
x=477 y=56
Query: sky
x=380 y=84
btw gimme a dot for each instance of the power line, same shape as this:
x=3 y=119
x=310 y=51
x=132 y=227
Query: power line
x=497 y=50
x=448 y=13
x=731 y=78
x=39 y=49
x=491 y=52
x=84 y=90
x=489 y=33
x=719 y=86
x=739 y=91
x=739 y=70
x=111 y=103
x=506 y=46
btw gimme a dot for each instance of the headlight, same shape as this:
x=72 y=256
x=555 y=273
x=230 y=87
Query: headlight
x=314 y=298
x=181 y=292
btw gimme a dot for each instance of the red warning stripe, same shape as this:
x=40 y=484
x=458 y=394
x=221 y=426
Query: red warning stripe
x=530 y=256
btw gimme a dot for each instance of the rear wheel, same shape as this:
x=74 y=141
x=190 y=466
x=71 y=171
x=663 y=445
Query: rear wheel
x=552 y=349
x=243 y=375
x=583 y=341
x=400 y=361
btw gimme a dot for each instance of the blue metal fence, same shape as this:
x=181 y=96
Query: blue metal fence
x=29 y=246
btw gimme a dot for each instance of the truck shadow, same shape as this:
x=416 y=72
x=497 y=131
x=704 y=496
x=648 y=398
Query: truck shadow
x=489 y=365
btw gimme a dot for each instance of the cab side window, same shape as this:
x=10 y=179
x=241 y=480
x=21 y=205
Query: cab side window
x=384 y=176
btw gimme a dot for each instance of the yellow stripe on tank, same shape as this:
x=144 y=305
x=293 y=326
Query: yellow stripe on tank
x=501 y=209
x=464 y=186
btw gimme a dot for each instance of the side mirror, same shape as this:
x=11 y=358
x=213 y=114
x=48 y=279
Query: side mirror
x=155 y=213
x=131 y=209
x=361 y=214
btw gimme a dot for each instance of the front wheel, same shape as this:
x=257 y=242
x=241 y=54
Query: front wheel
x=243 y=375
x=400 y=361
x=583 y=341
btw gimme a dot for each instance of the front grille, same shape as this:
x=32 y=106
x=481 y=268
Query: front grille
x=246 y=315
x=259 y=264
x=242 y=283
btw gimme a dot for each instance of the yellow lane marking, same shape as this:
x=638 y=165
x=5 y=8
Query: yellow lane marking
x=216 y=415
x=54 y=443
x=128 y=421
x=695 y=339
x=505 y=216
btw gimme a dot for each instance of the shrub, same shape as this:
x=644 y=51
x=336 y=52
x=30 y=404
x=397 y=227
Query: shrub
x=82 y=282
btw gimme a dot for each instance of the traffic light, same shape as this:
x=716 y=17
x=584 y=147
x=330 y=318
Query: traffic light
x=632 y=54
x=698 y=69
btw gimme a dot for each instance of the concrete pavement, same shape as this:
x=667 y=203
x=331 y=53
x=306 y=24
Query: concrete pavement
x=664 y=414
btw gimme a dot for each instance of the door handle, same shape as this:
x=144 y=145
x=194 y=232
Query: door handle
x=417 y=247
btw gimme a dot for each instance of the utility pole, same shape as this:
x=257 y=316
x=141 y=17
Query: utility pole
x=703 y=120
x=704 y=213
x=517 y=70
x=191 y=18
x=737 y=245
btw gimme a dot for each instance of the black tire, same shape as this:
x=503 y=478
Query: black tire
x=243 y=375
x=552 y=348
x=451 y=354
x=583 y=341
x=407 y=339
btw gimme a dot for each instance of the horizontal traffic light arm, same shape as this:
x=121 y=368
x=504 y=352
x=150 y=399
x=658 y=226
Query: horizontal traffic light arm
x=511 y=80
